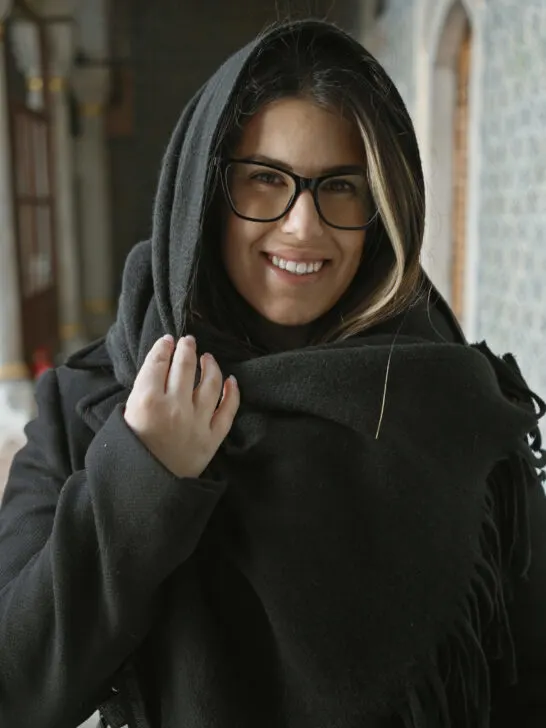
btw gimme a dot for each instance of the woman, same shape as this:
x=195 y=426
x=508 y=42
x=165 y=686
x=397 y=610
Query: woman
x=284 y=492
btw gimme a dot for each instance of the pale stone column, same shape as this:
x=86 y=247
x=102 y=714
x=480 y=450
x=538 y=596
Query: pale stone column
x=25 y=38
x=16 y=389
x=92 y=88
x=60 y=47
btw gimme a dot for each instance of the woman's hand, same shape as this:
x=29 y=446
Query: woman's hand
x=182 y=426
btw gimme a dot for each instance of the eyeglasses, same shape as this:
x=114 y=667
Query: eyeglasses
x=265 y=193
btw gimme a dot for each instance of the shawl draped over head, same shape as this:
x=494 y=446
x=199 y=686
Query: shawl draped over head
x=377 y=487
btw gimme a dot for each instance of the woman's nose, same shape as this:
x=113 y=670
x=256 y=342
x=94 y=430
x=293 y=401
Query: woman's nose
x=303 y=220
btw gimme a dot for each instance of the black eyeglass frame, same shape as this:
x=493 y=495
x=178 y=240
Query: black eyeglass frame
x=302 y=184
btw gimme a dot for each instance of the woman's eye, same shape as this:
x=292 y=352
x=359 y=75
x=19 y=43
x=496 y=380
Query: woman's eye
x=268 y=178
x=339 y=185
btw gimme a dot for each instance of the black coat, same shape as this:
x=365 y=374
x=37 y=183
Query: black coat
x=98 y=563
x=90 y=529
x=367 y=549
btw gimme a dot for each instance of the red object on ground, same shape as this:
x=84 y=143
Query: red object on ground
x=41 y=362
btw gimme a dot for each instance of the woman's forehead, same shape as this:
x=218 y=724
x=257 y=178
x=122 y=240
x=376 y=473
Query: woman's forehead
x=303 y=136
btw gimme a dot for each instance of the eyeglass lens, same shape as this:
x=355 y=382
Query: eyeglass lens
x=263 y=193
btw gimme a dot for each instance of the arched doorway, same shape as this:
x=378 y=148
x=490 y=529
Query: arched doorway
x=449 y=158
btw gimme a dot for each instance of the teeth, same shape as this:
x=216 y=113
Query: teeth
x=299 y=269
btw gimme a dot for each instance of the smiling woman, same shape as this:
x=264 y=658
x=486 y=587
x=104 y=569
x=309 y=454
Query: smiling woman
x=292 y=219
x=284 y=491
x=309 y=176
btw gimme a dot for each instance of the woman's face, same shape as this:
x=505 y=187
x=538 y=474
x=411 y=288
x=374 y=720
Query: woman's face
x=301 y=137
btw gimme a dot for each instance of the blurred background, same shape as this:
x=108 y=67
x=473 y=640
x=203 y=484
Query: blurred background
x=90 y=91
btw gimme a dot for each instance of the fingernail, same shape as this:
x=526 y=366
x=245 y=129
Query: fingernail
x=190 y=340
x=168 y=338
x=233 y=380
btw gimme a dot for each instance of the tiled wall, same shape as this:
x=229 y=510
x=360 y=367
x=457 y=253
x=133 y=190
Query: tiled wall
x=511 y=303
x=512 y=272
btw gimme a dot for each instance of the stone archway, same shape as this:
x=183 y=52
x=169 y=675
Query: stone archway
x=448 y=142
x=447 y=119
x=459 y=174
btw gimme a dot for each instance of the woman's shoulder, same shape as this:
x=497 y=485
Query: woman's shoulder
x=76 y=387
x=85 y=371
x=90 y=357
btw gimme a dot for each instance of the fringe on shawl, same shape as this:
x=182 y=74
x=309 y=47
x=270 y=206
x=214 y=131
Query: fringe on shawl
x=456 y=691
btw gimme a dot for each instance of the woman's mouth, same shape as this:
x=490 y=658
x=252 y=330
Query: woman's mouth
x=296 y=268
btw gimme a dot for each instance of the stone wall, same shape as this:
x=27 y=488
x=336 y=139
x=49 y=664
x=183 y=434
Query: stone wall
x=511 y=297
x=393 y=43
x=512 y=271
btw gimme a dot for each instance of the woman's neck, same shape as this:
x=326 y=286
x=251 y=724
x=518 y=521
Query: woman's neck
x=275 y=337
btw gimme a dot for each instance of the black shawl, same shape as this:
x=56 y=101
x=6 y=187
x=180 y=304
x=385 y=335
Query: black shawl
x=377 y=487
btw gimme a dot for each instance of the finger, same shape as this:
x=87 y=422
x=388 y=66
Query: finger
x=222 y=419
x=182 y=373
x=208 y=392
x=155 y=369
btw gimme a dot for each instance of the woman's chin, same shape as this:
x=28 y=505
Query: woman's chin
x=291 y=319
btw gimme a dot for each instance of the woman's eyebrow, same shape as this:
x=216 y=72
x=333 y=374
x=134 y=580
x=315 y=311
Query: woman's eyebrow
x=337 y=169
